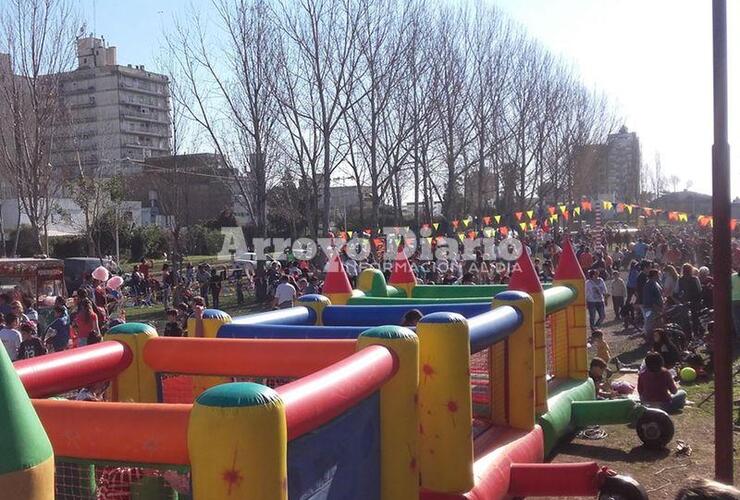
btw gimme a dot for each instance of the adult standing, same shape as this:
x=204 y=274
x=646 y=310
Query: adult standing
x=652 y=302
x=595 y=293
x=689 y=292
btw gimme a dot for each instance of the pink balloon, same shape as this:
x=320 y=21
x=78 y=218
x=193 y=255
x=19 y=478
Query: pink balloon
x=115 y=283
x=100 y=273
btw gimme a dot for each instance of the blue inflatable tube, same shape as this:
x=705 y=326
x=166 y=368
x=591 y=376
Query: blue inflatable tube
x=292 y=316
x=232 y=331
x=369 y=316
x=493 y=326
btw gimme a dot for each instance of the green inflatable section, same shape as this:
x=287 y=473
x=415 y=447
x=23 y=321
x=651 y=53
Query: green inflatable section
x=456 y=291
x=603 y=412
x=402 y=301
x=23 y=441
x=558 y=298
x=558 y=422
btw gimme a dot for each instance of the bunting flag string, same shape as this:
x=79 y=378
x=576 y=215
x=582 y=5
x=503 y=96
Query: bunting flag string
x=530 y=214
x=436 y=226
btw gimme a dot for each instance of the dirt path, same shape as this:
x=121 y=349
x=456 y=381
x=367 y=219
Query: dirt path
x=661 y=472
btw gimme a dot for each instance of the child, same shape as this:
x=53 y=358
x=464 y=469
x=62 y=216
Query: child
x=10 y=336
x=411 y=318
x=172 y=328
x=656 y=386
x=31 y=346
x=597 y=371
x=60 y=326
x=602 y=348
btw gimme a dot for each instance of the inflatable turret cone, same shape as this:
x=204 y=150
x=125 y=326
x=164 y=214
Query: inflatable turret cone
x=524 y=277
x=402 y=275
x=336 y=284
x=568 y=267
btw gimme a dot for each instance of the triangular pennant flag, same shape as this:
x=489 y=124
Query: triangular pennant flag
x=429 y=240
x=523 y=225
x=683 y=217
x=436 y=226
x=487 y=219
x=504 y=230
x=628 y=208
x=530 y=213
x=518 y=215
x=455 y=223
x=576 y=210
x=566 y=215
x=620 y=207
x=498 y=218
x=350 y=233
x=552 y=210
x=673 y=216
x=554 y=218
x=607 y=205
x=466 y=222
x=471 y=235
x=562 y=208
x=424 y=226
x=647 y=211
x=460 y=236
x=532 y=224
x=488 y=232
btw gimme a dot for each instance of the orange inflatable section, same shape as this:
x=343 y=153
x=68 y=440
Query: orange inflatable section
x=119 y=432
x=244 y=357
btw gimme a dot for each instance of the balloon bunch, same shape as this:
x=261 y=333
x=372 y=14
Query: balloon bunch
x=111 y=282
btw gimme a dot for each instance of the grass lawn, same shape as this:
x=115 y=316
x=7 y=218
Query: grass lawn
x=661 y=472
x=157 y=263
x=154 y=315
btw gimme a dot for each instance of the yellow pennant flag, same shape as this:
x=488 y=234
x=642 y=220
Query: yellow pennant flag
x=488 y=232
x=577 y=211
x=554 y=218
x=466 y=222
x=607 y=205
x=523 y=225
x=530 y=213
x=436 y=225
x=562 y=208
x=629 y=208
x=350 y=233
x=461 y=236
x=498 y=218
x=429 y=240
x=683 y=217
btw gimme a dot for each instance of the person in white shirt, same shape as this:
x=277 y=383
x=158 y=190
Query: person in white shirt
x=10 y=336
x=285 y=294
x=595 y=293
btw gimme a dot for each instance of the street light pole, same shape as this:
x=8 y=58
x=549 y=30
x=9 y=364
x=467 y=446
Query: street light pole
x=721 y=256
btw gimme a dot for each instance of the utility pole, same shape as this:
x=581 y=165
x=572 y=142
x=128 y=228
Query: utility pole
x=721 y=256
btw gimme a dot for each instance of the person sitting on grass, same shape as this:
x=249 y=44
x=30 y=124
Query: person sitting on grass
x=597 y=372
x=656 y=386
x=663 y=345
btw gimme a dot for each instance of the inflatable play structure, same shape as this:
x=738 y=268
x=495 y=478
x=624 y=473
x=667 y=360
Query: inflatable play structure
x=337 y=407
x=565 y=396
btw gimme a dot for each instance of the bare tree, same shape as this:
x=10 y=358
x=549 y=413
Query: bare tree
x=39 y=38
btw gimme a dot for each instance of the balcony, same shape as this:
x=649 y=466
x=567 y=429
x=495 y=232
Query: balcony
x=144 y=118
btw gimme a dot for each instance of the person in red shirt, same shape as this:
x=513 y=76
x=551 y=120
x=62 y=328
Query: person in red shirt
x=586 y=260
x=656 y=387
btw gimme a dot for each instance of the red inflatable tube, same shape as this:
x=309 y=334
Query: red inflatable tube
x=60 y=372
x=244 y=357
x=573 y=480
x=318 y=398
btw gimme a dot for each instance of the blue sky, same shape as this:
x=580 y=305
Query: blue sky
x=652 y=57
